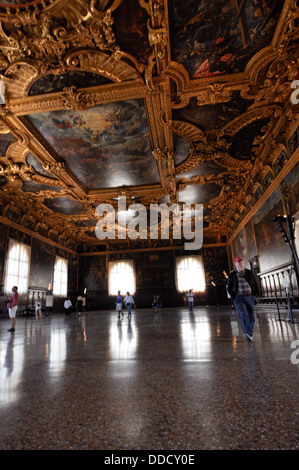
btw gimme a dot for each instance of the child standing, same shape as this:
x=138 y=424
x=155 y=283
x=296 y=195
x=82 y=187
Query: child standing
x=119 y=304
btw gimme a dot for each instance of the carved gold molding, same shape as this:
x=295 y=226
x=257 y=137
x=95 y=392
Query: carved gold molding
x=289 y=165
x=78 y=35
x=10 y=223
x=76 y=100
x=95 y=95
x=216 y=93
x=56 y=36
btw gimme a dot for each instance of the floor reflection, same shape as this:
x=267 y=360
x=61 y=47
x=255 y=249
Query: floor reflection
x=193 y=382
x=286 y=331
x=196 y=338
x=123 y=339
x=235 y=328
x=12 y=362
x=57 y=352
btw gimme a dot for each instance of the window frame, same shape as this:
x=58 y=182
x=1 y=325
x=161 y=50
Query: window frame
x=180 y=259
x=132 y=290
x=60 y=292
x=13 y=278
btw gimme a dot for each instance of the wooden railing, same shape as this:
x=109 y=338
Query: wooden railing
x=275 y=282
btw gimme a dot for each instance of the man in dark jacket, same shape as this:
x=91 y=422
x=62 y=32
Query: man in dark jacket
x=242 y=288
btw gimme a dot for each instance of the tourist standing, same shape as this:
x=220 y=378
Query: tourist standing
x=13 y=307
x=129 y=302
x=119 y=304
x=190 y=298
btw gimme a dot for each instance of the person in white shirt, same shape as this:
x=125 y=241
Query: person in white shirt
x=190 y=298
x=68 y=306
x=129 y=302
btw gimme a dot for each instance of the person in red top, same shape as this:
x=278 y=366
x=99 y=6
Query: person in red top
x=13 y=307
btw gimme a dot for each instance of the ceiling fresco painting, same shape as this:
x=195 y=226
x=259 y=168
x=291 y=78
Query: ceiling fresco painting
x=160 y=101
x=65 y=206
x=77 y=79
x=212 y=116
x=36 y=164
x=131 y=30
x=210 y=168
x=181 y=146
x=243 y=142
x=210 y=39
x=5 y=140
x=199 y=194
x=30 y=186
x=104 y=146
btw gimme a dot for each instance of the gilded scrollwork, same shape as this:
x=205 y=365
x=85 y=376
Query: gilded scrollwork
x=53 y=38
x=158 y=36
x=163 y=155
x=74 y=100
x=215 y=93
x=55 y=168
x=42 y=44
x=46 y=39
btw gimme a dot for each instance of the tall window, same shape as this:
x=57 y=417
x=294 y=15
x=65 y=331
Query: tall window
x=17 y=267
x=190 y=274
x=121 y=277
x=60 y=277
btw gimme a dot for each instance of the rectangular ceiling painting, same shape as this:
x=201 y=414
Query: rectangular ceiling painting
x=104 y=146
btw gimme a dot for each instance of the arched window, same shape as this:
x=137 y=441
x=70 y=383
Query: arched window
x=190 y=274
x=17 y=267
x=121 y=277
x=60 y=277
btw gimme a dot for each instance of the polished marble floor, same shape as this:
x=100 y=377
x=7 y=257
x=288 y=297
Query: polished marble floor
x=170 y=383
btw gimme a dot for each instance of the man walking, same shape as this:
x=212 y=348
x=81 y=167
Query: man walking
x=13 y=307
x=242 y=288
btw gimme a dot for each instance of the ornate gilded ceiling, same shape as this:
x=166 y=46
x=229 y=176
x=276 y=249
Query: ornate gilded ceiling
x=164 y=100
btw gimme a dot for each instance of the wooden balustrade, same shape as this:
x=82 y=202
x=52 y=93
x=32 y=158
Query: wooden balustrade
x=275 y=281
